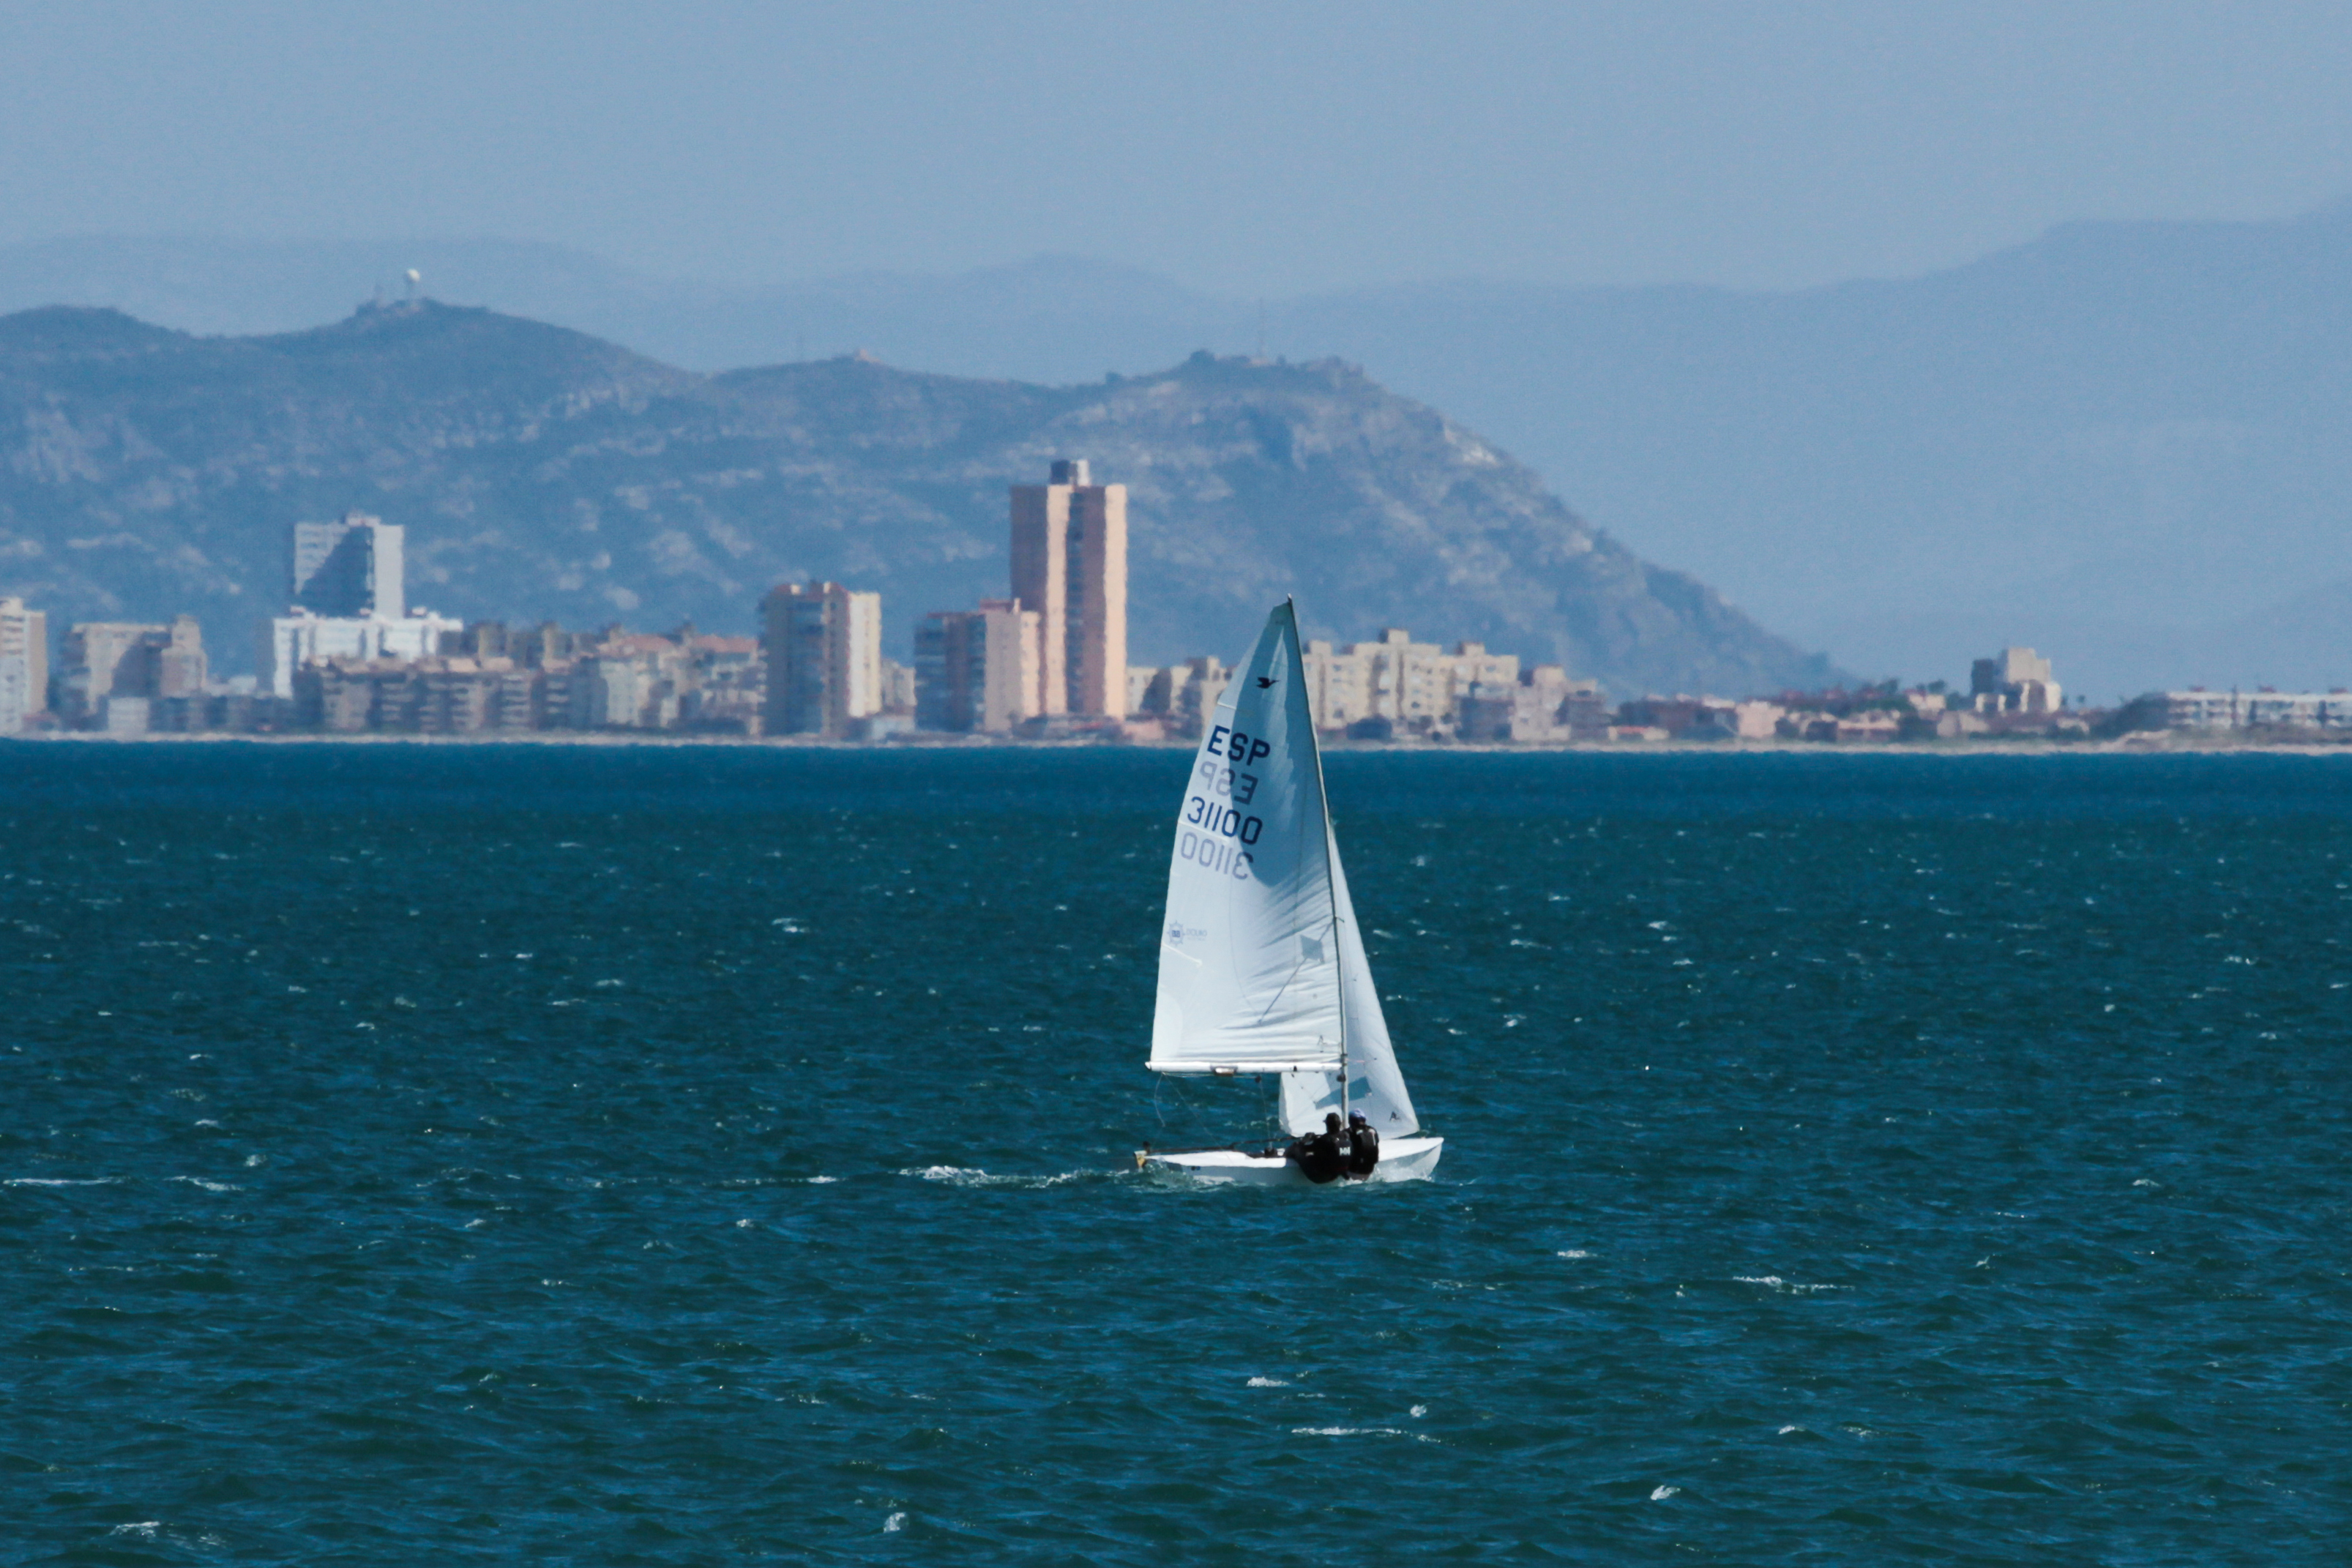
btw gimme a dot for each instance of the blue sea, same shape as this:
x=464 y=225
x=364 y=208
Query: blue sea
x=434 y=1155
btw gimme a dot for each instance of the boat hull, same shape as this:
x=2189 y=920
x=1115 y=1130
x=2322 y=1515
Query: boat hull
x=1402 y=1160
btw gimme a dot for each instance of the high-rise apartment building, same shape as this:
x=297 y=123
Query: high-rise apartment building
x=824 y=648
x=347 y=581
x=1070 y=564
x=978 y=669
x=352 y=567
x=23 y=664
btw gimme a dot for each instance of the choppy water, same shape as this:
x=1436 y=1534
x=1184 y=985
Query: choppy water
x=445 y=1155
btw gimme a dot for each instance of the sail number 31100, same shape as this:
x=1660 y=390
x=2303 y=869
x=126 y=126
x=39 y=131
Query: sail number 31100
x=1218 y=846
x=1211 y=817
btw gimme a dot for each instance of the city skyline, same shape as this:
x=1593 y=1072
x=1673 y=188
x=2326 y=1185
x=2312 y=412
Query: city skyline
x=353 y=656
x=817 y=673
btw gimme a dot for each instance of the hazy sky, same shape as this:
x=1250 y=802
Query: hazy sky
x=1250 y=148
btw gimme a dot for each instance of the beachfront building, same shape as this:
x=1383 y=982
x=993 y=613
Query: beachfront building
x=978 y=670
x=1545 y=705
x=1400 y=684
x=726 y=685
x=824 y=649
x=2015 y=681
x=546 y=679
x=23 y=664
x=290 y=642
x=2197 y=708
x=111 y=673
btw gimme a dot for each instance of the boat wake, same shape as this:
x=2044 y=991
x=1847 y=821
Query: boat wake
x=973 y=1176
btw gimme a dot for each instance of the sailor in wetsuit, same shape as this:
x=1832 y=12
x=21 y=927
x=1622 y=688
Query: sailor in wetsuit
x=1363 y=1147
x=1319 y=1154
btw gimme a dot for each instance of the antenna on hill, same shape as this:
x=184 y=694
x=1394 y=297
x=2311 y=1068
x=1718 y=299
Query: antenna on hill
x=414 y=277
x=1261 y=328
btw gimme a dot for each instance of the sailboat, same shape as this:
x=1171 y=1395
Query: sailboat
x=1262 y=966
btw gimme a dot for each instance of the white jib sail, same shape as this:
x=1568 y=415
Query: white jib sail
x=1375 y=1087
x=1262 y=965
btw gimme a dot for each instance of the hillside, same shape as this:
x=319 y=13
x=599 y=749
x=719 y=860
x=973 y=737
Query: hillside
x=543 y=473
x=2129 y=443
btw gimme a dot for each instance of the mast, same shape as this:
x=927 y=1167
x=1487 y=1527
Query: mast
x=1323 y=800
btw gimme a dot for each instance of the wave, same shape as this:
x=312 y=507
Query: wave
x=1774 y=1282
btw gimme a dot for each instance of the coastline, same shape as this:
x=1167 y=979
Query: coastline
x=2141 y=744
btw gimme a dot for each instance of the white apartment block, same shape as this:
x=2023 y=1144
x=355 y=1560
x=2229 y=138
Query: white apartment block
x=1412 y=685
x=355 y=566
x=2197 y=709
x=290 y=642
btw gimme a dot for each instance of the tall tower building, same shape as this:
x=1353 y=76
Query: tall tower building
x=348 y=568
x=824 y=648
x=348 y=587
x=1070 y=564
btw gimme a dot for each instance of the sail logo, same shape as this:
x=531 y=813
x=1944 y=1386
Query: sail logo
x=1177 y=933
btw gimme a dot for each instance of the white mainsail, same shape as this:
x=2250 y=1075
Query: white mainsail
x=1262 y=969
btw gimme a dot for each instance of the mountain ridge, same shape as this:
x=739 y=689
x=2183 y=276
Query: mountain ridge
x=547 y=474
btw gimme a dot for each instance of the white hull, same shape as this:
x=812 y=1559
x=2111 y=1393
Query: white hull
x=1402 y=1160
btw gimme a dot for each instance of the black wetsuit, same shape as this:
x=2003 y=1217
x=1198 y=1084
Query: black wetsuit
x=1319 y=1157
x=1363 y=1151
